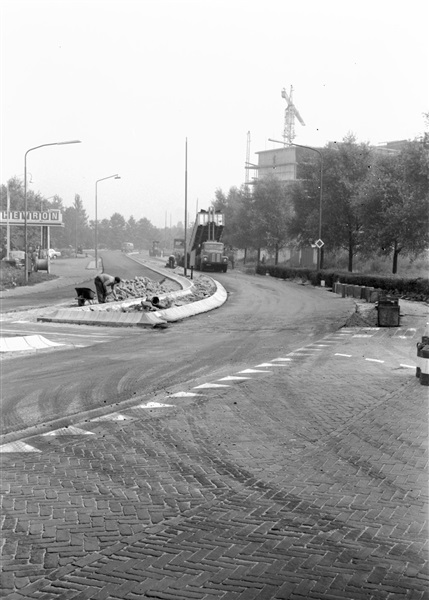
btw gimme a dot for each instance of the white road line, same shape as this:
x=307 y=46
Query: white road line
x=233 y=378
x=269 y=365
x=374 y=360
x=281 y=359
x=210 y=385
x=253 y=371
x=154 y=405
x=408 y=366
x=185 y=395
x=320 y=345
x=113 y=417
x=339 y=354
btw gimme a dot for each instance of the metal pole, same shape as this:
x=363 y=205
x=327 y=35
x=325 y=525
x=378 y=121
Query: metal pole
x=7 y=222
x=25 y=194
x=186 y=205
x=95 y=229
x=116 y=176
x=25 y=216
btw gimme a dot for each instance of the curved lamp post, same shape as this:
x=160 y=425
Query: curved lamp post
x=321 y=192
x=96 y=216
x=25 y=195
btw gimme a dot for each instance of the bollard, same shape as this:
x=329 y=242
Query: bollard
x=420 y=347
x=424 y=370
x=368 y=292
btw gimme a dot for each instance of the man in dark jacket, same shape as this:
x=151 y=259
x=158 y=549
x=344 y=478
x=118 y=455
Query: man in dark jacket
x=102 y=284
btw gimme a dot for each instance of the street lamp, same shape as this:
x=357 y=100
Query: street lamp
x=25 y=195
x=319 y=241
x=95 y=227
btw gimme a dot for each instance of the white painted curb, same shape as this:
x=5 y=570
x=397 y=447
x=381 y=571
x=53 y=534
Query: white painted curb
x=27 y=342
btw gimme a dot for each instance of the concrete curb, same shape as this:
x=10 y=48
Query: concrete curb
x=116 y=318
x=27 y=342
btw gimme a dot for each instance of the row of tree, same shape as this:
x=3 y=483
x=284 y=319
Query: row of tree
x=78 y=230
x=371 y=203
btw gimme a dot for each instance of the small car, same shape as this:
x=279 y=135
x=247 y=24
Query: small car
x=53 y=253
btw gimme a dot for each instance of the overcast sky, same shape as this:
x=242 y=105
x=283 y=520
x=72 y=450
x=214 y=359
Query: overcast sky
x=133 y=79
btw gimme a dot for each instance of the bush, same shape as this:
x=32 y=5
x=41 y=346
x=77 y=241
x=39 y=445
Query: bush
x=11 y=277
x=411 y=289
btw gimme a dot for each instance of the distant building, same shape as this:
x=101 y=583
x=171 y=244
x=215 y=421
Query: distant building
x=284 y=162
x=281 y=162
x=390 y=147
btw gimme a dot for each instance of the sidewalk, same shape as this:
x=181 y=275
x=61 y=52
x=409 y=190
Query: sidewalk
x=69 y=271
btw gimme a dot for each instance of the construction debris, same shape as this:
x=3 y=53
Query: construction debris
x=149 y=292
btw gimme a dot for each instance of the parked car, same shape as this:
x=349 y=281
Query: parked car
x=16 y=258
x=54 y=253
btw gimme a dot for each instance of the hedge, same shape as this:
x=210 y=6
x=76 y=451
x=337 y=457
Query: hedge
x=416 y=289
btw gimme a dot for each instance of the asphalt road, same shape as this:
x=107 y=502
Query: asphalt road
x=100 y=369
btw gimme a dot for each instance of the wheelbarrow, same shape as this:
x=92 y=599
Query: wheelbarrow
x=84 y=295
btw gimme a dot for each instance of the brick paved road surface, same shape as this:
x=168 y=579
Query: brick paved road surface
x=308 y=479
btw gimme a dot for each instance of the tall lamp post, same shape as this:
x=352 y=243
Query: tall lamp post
x=319 y=242
x=25 y=196
x=185 y=264
x=116 y=176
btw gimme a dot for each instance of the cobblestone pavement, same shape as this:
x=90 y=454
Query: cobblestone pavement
x=304 y=476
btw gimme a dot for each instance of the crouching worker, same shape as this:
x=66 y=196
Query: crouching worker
x=102 y=284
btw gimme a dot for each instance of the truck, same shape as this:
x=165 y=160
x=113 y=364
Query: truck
x=179 y=251
x=127 y=247
x=155 y=250
x=206 y=250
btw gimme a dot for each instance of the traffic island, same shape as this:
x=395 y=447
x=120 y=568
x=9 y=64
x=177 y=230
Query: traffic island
x=121 y=314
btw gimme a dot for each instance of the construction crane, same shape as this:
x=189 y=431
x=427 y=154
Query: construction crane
x=290 y=113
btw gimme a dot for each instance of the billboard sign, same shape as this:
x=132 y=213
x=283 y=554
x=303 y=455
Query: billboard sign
x=51 y=217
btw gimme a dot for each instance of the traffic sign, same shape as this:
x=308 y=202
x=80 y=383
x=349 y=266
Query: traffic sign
x=319 y=243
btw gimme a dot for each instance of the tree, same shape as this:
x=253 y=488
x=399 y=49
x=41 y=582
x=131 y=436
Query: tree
x=271 y=214
x=396 y=198
x=345 y=169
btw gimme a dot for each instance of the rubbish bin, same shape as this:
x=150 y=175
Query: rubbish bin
x=388 y=312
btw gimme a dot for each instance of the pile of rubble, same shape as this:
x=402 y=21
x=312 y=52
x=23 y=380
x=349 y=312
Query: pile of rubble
x=148 y=292
x=143 y=287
